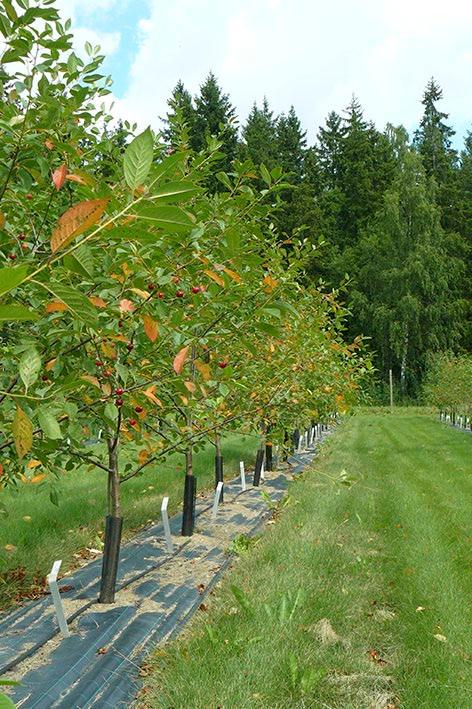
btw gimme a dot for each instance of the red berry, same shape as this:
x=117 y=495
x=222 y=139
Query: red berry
x=119 y=391
x=195 y=289
x=25 y=247
x=175 y=279
x=107 y=373
x=132 y=422
x=45 y=378
x=203 y=289
x=151 y=286
x=129 y=346
x=21 y=236
x=120 y=323
x=12 y=257
x=119 y=402
x=180 y=294
x=29 y=196
x=222 y=364
x=98 y=363
x=139 y=409
x=160 y=295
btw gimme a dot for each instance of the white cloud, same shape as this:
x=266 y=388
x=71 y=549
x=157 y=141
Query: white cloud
x=108 y=41
x=305 y=52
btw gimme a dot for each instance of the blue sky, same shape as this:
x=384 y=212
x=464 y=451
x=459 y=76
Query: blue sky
x=308 y=53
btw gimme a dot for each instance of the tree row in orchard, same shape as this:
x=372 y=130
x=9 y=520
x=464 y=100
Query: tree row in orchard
x=146 y=297
x=391 y=215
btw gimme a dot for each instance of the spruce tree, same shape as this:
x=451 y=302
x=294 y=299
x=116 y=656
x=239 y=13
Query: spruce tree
x=215 y=116
x=433 y=140
x=260 y=136
x=180 y=119
x=291 y=149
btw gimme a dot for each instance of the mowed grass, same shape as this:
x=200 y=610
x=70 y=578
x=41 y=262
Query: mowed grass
x=36 y=532
x=357 y=597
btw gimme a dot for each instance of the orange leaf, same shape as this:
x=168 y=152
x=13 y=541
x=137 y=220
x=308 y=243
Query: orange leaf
x=56 y=306
x=204 y=370
x=215 y=277
x=269 y=284
x=37 y=478
x=76 y=220
x=184 y=399
x=150 y=328
x=190 y=386
x=98 y=302
x=49 y=365
x=126 y=306
x=143 y=455
x=80 y=179
x=179 y=360
x=33 y=464
x=149 y=392
x=232 y=274
x=59 y=176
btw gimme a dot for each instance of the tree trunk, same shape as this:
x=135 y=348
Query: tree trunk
x=113 y=525
x=190 y=494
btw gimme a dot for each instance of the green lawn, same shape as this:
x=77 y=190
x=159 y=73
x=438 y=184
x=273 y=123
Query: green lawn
x=358 y=597
x=41 y=532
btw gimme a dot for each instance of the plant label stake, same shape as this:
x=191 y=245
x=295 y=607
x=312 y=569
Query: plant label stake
x=214 y=511
x=165 y=522
x=262 y=471
x=57 y=600
x=243 y=475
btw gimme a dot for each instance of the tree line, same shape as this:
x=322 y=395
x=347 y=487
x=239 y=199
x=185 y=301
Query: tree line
x=389 y=215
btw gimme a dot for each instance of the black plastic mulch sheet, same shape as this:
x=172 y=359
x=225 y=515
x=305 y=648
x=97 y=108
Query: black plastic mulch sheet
x=99 y=664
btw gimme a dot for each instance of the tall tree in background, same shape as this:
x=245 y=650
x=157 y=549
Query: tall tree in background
x=433 y=139
x=406 y=296
x=260 y=136
x=291 y=149
x=180 y=119
x=215 y=117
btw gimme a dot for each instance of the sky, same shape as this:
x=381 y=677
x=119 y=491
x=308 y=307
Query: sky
x=312 y=54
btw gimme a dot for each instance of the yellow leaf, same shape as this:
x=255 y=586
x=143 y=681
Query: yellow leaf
x=92 y=380
x=10 y=548
x=142 y=293
x=2 y=220
x=33 y=463
x=204 y=369
x=81 y=178
x=184 y=399
x=56 y=306
x=215 y=277
x=232 y=274
x=179 y=360
x=108 y=349
x=150 y=328
x=190 y=386
x=76 y=220
x=22 y=432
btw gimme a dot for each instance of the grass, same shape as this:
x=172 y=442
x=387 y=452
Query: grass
x=359 y=596
x=36 y=532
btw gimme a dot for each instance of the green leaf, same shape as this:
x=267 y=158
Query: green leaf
x=266 y=175
x=14 y=313
x=5 y=27
x=170 y=218
x=29 y=367
x=80 y=262
x=138 y=159
x=54 y=497
x=173 y=191
x=6 y=702
x=11 y=277
x=76 y=301
x=49 y=424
